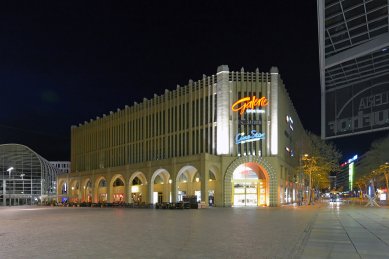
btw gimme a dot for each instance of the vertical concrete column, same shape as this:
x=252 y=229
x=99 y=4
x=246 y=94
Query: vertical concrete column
x=219 y=192
x=274 y=182
x=109 y=189
x=204 y=174
x=224 y=184
x=191 y=108
x=80 y=190
x=165 y=124
x=92 y=187
x=150 y=184
x=173 y=177
x=149 y=194
x=127 y=187
x=173 y=186
x=223 y=110
x=95 y=191
x=150 y=189
x=274 y=110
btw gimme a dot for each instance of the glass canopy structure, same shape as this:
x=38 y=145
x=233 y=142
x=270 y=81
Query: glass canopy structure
x=354 y=66
x=26 y=178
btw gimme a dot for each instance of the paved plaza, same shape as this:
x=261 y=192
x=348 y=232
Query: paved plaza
x=321 y=231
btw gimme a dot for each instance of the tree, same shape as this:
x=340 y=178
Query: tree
x=321 y=158
x=384 y=169
x=375 y=165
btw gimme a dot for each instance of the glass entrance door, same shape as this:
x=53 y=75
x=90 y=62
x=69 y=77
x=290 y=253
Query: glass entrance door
x=245 y=193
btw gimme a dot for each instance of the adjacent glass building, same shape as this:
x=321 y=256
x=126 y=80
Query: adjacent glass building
x=26 y=178
x=354 y=66
x=229 y=139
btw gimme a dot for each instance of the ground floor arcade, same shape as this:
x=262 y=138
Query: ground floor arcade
x=213 y=180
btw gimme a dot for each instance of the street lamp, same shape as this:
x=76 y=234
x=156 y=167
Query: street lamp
x=9 y=170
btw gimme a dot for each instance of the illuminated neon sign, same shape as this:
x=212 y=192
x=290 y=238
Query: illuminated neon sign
x=249 y=122
x=255 y=111
x=353 y=159
x=240 y=138
x=349 y=161
x=249 y=103
x=351 y=176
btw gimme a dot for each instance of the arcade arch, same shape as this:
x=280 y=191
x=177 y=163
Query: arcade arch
x=137 y=188
x=63 y=190
x=160 y=186
x=74 y=191
x=249 y=185
x=188 y=183
x=250 y=181
x=87 y=191
x=211 y=186
x=101 y=190
x=118 y=188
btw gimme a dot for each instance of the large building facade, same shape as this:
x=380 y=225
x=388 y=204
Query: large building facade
x=230 y=139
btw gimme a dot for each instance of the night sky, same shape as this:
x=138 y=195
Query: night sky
x=65 y=62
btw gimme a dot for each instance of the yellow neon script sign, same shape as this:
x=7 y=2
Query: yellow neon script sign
x=245 y=103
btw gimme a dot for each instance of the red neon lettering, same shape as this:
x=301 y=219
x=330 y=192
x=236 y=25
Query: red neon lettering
x=245 y=103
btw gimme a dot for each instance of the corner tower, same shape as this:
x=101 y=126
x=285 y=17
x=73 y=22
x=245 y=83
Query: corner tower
x=223 y=111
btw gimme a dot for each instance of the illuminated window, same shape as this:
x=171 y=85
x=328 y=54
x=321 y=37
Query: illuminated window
x=289 y=121
x=118 y=182
x=136 y=181
x=103 y=183
x=211 y=176
x=158 y=180
x=245 y=173
x=289 y=151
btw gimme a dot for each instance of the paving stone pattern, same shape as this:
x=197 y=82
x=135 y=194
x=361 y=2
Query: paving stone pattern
x=348 y=232
x=318 y=231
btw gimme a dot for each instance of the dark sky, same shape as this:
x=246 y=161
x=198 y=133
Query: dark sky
x=65 y=62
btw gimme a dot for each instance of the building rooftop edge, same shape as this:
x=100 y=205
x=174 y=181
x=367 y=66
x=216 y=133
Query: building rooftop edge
x=221 y=68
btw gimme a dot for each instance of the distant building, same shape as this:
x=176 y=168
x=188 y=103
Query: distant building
x=63 y=166
x=345 y=178
x=230 y=139
x=25 y=176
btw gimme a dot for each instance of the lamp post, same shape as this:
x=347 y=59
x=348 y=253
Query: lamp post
x=9 y=170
